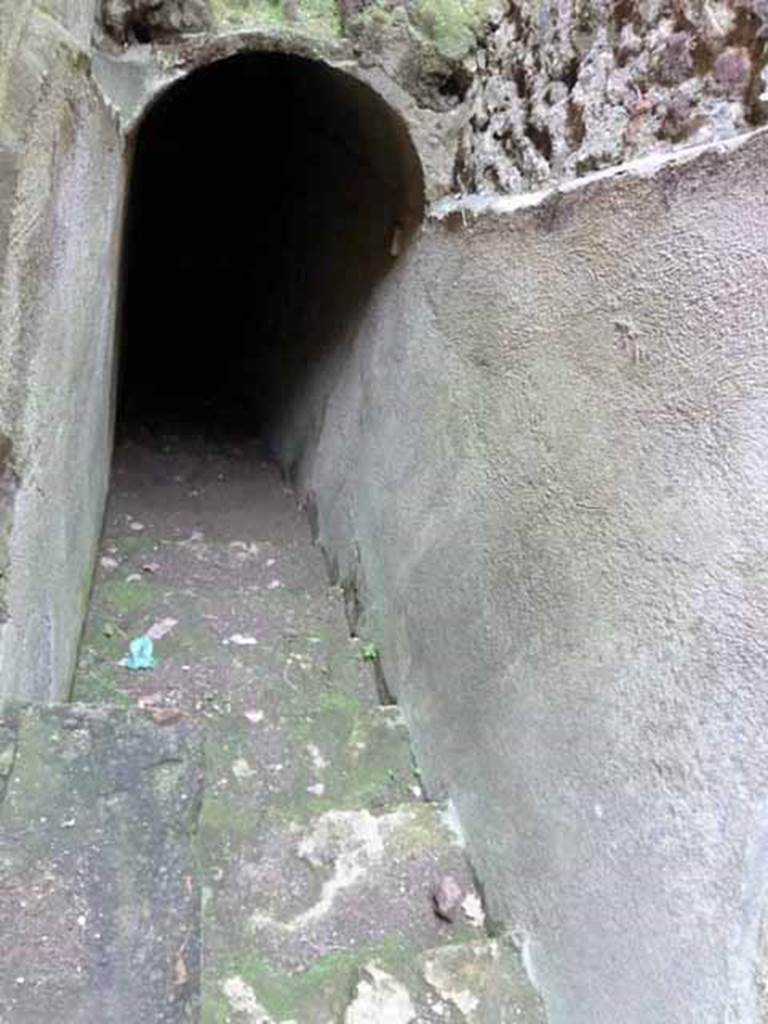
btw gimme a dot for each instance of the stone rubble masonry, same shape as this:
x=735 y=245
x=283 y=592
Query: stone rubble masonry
x=541 y=91
x=560 y=88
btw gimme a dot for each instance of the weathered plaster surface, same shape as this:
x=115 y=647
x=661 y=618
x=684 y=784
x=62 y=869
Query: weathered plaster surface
x=59 y=199
x=545 y=464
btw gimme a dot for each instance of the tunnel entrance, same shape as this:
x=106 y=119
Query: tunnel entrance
x=269 y=194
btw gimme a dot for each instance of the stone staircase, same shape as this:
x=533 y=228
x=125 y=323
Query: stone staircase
x=301 y=876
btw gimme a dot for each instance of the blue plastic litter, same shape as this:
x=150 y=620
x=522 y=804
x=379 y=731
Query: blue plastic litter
x=141 y=654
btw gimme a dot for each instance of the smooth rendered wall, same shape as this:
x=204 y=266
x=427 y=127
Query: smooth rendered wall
x=546 y=461
x=60 y=187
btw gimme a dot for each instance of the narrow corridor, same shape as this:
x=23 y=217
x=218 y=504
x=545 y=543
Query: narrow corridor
x=332 y=891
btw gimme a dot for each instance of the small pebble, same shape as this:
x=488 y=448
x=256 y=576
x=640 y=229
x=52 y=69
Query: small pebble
x=473 y=910
x=240 y=640
x=137 y=526
x=159 y=629
x=242 y=770
x=447 y=897
x=165 y=716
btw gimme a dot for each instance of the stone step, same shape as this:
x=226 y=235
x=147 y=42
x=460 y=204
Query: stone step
x=478 y=982
x=99 y=897
x=321 y=863
x=241 y=616
x=350 y=917
x=332 y=891
x=338 y=915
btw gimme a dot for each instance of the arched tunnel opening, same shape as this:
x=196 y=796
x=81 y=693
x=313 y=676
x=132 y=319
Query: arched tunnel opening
x=268 y=196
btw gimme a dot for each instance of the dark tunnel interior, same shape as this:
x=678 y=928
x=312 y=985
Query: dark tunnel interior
x=269 y=194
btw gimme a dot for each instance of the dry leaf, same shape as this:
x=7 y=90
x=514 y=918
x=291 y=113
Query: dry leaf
x=161 y=628
x=165 y=716
x=181 y=972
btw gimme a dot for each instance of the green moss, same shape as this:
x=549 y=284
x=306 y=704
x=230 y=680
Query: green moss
x=320 y=992
x=242 y=13
x=100 y=686
x=99 y=678
x=127 y=598
x=129 y=545
x=368 y=758
x=37 y=784
x=168 y=778
x=316 y=17
x=320 y=17
x=452 y=25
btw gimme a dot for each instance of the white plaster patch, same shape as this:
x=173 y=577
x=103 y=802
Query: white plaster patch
x=460 y=974
x=242 y=999
x=351 y=844
x=380 y=998
x=160 y=629
x=247 y=549
x=318 y=761
x=242 y=770
x=450 y=817
x=473 y=910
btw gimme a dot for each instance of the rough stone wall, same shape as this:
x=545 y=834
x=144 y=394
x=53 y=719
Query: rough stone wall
x=544 y=468
x=564 y=87
x=60 y=186
x=146 y=21
x=540 y=91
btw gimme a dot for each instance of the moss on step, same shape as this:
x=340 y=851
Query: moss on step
x=97 y=864
x=319 y=993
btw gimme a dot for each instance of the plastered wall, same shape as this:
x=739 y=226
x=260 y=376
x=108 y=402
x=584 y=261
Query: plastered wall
x=60 y=189
x=545 y=469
